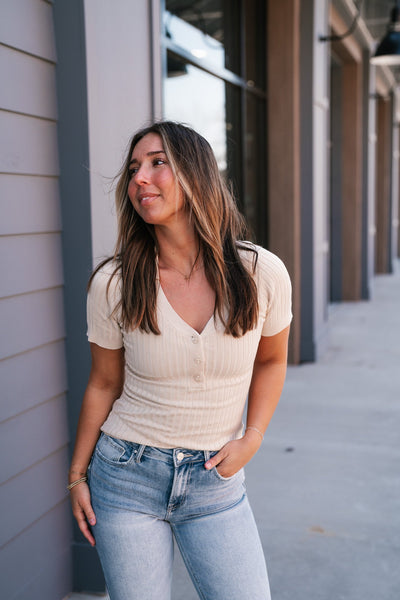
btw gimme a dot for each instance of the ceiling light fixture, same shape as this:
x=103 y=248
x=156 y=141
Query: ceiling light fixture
x=388 y=50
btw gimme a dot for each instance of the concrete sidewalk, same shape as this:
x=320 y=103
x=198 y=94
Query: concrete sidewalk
x=325 y=486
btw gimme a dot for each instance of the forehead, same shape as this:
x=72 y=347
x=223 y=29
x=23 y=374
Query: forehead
x=151 y=142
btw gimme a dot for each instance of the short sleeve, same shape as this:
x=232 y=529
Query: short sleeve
x=275 y=285
x=103 y=326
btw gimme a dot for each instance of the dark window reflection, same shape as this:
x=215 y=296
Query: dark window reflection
x=255 y=20
x=208 y=29
x=255 y=188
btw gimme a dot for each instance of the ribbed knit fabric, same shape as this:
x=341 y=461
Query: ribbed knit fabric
x=185 y=389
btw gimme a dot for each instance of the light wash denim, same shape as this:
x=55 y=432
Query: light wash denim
x=143 y=496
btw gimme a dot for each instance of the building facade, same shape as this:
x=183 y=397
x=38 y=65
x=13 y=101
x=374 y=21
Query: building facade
x=305 y=128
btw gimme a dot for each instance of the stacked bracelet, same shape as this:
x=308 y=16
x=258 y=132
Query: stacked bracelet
x=256 y=430
x=74 y=483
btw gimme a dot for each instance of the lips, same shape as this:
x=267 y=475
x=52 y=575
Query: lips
x=146 y=198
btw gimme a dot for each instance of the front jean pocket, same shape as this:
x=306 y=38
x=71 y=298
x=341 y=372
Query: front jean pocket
x=222 y=478
x=115 y=451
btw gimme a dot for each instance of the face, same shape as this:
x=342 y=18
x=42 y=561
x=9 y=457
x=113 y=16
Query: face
x=153 y=189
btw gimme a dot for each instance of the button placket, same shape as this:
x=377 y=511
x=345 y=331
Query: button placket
x=197 y=360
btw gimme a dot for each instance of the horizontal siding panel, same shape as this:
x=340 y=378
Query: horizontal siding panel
x=29 y=204
x=28 y=25
x=36 y=263
x=31 y=378
x=31 y=320
x=38 y=551
x=53 y=584
x=32 y=436
x=31 y=84
x=29 y=145
x=46 y=483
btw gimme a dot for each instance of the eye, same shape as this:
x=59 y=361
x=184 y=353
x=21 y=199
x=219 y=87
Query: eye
x=158 y=162
x=132 y=171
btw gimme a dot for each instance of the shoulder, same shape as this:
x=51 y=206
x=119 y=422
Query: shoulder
x=264 y=263
x=274 y=289
x=106 y=281
x=105 y=272
x=103 y=302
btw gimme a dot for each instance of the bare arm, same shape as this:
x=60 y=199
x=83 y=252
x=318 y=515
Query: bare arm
x=269 y=373
x=104 y=387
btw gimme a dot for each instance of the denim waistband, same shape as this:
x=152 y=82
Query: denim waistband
x=175 y=456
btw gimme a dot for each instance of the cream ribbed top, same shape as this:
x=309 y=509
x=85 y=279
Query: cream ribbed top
x=185 y=389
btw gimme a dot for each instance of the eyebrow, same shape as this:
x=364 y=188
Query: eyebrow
x=135 y=160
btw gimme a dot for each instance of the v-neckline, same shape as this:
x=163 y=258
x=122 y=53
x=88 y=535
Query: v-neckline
x=176 y=318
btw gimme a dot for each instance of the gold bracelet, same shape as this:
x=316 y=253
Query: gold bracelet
x=74 y=483
x=255 y=429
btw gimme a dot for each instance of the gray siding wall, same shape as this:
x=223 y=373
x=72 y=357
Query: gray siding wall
x=35 y=532
x=104 y=82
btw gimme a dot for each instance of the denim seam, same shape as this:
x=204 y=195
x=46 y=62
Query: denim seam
x=199 y=515
x=114 y=463
x=114 y=443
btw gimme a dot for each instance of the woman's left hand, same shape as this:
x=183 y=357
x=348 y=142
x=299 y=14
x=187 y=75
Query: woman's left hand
x=235 y=454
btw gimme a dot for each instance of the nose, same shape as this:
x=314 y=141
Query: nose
x=142 y=176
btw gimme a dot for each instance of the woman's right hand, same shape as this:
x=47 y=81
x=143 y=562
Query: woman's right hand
x=82 y=510
x=104 y=387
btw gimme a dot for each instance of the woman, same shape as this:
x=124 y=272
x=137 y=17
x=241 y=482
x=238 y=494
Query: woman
x=184 y=322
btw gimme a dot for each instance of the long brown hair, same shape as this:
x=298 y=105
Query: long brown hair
x=217 y=222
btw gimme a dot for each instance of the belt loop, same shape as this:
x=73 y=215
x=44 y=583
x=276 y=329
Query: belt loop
x=139 y=453
x=207 y=454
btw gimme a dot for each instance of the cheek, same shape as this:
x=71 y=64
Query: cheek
x=131 y=191
x=167 y=182
x=164 y=176
x=134 y=203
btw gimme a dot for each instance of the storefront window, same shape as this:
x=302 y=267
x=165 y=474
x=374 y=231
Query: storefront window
x=206 y=30
x=198 y=99
x=215 y=82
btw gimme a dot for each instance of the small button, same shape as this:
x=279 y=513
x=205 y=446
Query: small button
x=180 y=456
x=197 y=360
x=195 y=339
x=197 y=377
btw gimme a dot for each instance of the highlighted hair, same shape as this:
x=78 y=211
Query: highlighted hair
x=216 y=220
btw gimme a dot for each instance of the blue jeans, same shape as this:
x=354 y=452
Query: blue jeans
x=143 y=496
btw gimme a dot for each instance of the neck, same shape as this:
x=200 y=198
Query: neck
x=179 y=250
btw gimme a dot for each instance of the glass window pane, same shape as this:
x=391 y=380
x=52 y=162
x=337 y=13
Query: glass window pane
x=208 y=29
x=234 y=140
x=213 y=108
x=198 y=99
x=230 y=117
